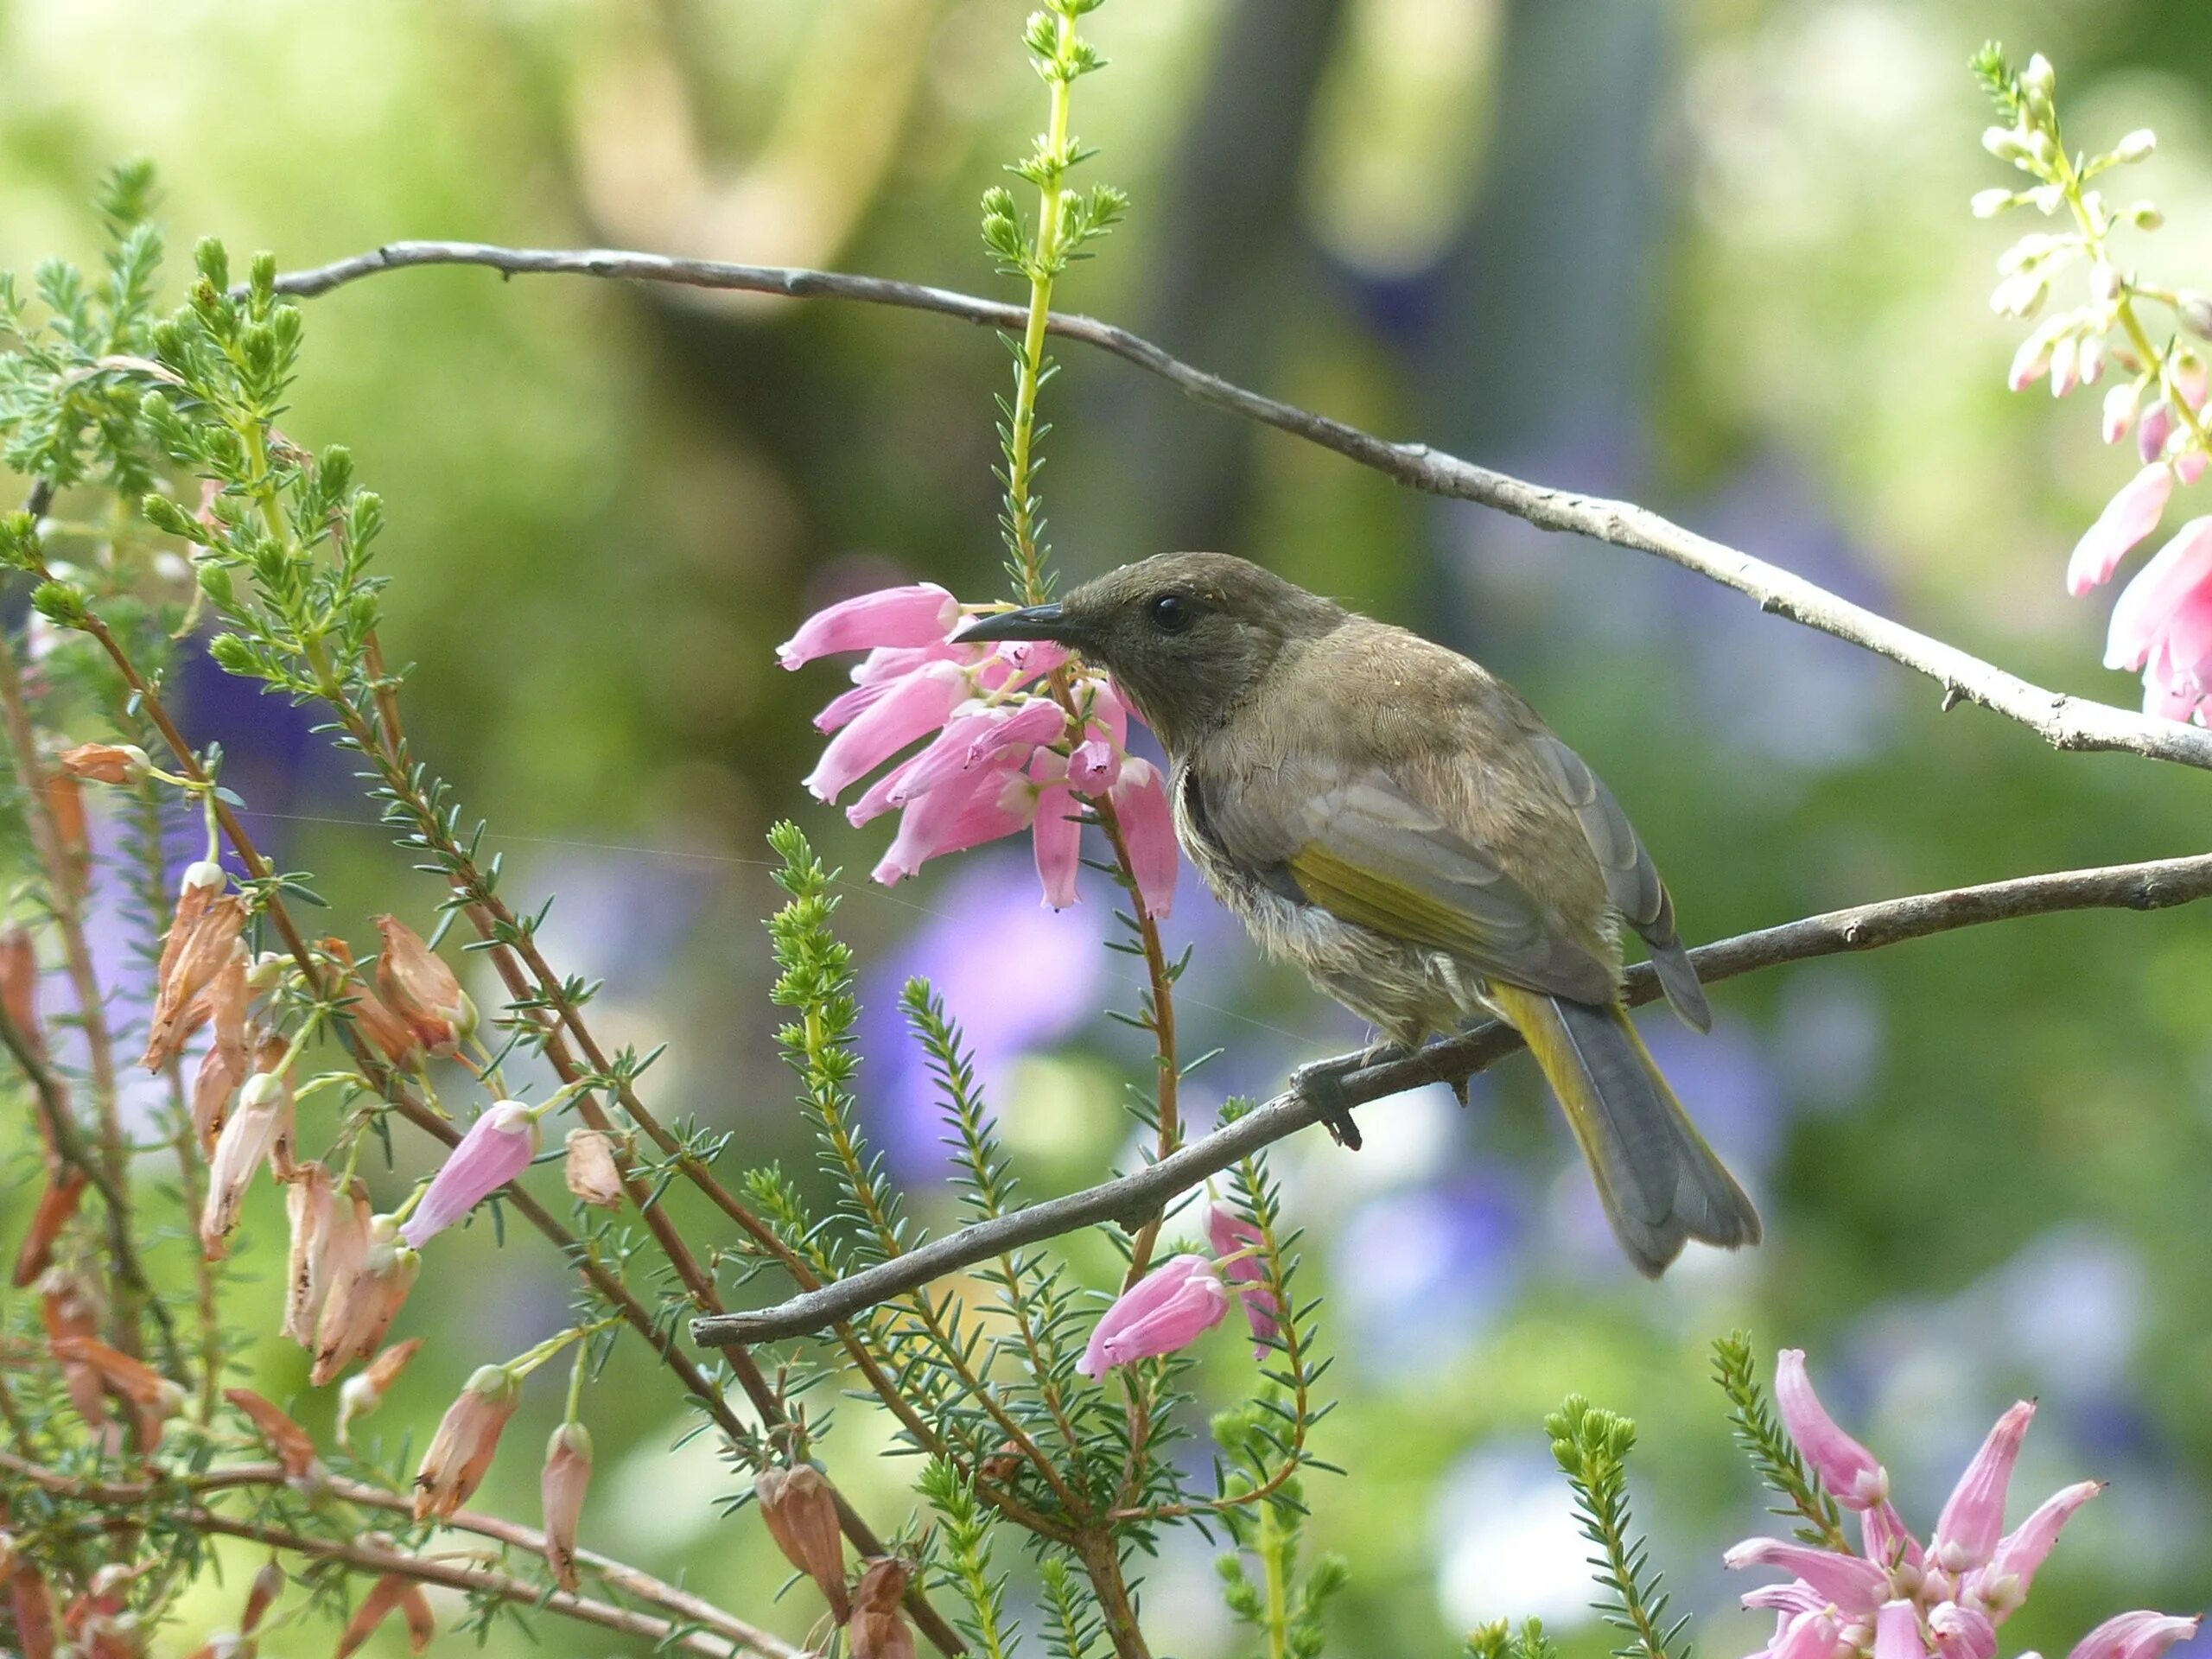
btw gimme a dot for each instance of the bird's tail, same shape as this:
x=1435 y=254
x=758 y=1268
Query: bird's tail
x=1660 y=1182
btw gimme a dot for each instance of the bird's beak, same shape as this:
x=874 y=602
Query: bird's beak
x=1036 y=622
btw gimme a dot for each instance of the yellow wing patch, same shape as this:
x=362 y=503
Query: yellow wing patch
x=1343 y=889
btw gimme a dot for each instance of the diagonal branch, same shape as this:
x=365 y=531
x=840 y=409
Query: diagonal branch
x=2064 y=722
x=1380 y=1072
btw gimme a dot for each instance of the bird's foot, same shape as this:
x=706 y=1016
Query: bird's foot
x=1322 y=1082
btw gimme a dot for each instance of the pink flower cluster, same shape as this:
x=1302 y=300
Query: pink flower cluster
x=1905 y=1600
x=2162 y=625
x=1004 y=755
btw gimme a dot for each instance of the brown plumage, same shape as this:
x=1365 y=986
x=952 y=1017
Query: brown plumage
x=1398 y=821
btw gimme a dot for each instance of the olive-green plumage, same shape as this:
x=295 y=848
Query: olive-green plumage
x=1399 y=821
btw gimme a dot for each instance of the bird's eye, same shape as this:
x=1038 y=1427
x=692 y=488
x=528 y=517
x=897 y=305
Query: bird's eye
x=1172 y=612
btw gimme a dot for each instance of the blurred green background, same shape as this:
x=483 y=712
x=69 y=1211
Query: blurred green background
x=1714 y=256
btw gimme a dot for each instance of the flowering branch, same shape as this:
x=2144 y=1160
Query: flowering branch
x=2062 y=721
x=1374 y=1074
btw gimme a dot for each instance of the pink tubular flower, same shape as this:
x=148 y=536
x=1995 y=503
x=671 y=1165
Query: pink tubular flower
x=560 y=1486
x=363 y=1304
x=1963 y=1632
x=1169 y=1308
x=1003 y=754
x=2132 y=513
x=244 y=1142
x=1900 y=1601
x=1897 y=1632
x=2143 y=1634
x=1855 y=1586
x=1148 y=828
x=2162 y=623
x=497 y=1147
x=1967 y=1530
x=461 y=1452
x=920 y=615
x=2004 y=1584
x=1846 y=1468
x=1058 y=841
x=1231 y=1235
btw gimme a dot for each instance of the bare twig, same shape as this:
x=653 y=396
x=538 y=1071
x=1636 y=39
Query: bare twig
x=737 y=1635
x=1381 y=1072
x=2064 y=722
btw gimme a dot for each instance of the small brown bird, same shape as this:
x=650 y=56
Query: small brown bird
x=1399 y=821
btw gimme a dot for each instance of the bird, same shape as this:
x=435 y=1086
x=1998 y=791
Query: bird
x=1401 y=823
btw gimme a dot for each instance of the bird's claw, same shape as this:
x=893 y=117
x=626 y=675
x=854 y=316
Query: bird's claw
x=1321 y=1081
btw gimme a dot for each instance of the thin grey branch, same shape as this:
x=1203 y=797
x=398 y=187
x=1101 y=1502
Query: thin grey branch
x=1377 y=1073
x=2064 y=722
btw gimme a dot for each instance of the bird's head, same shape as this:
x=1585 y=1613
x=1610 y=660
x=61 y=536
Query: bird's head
x=1186 y=636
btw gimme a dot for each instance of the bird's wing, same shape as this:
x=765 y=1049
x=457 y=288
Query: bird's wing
x=1631 y=879
x=1359 y=846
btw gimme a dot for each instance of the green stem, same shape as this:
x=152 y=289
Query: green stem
x=1043 y=268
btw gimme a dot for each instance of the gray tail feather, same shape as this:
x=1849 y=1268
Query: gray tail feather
x=1678 y=978
x=1660 y=1183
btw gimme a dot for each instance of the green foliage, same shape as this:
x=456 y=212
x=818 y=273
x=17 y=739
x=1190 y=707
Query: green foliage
x=1591 y=1446
x=1998 y=78
x=1498 y=1640
x=1775 y=1458
x=965 y=1566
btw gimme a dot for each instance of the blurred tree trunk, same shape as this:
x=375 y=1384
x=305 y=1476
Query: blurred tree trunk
x=1535 y=359
x=1234 y=266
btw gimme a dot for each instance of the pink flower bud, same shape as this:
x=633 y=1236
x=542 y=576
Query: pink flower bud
x=497 y=1147
x=1058 y=837
x=1807 y=1635
x=1967 y=1530
x=422 y=991
x=2119 y=410
x=590 y=1170
x=200 y=940
x=1963 y=1632
x=364 y=1391
x=922 y=614
x=64 y=1193
x=239 y=1151
x=2158 y=426
x=1231 y=1235
x=878 y=1630
x=19 y=983
x=1897 y=1632
x=1169 y=1308
x=389 y=1594
x=303 y=1469
x=800 y=1511
x=1139 y=799
x=363 y=1304
x=1845 y=1467
x=309 y=1202
x=106 y=763
x=2004 y=1584
x=2130 y=515
x=1854 y=1585
x=1094 y=767
x=560 y=1486
x=2188 y=466
x=2143 y=1634
x=911 y=707
x=382 y=1029
x=460 y=1452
